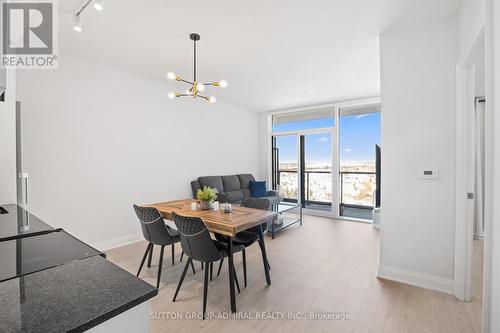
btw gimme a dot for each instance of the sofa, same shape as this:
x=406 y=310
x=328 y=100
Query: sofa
x=231 y=188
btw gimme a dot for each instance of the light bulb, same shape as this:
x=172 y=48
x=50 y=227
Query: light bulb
x=223 y=83
x=77 y=26
x=171 y=95
x=212 y=99
x=98 y=5
x=171 y=76
x=189 y=92
x=200 y=86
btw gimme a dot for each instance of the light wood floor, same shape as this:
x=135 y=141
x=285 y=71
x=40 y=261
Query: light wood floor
x=324 y=266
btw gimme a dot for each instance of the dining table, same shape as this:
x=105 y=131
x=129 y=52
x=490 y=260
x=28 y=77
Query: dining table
x=224 y=223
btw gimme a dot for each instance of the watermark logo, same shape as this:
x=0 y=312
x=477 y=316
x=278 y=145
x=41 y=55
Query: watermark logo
x=29 y=34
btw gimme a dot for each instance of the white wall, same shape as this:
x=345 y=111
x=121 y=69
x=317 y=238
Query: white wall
x=8 y=140
x=471 y=15
x=418 y=132
x=492 y=241
x=97 y=139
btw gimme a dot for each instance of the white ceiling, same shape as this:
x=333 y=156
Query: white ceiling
x=274 y=54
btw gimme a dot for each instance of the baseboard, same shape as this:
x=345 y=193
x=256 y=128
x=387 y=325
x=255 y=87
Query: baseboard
x=416 y=279
x=117 y=242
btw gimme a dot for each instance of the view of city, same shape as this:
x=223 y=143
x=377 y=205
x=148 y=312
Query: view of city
x=357 y=189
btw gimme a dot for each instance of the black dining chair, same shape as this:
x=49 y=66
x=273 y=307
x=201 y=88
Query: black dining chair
x=156 y=232
x=198 y=245
x=247 y=237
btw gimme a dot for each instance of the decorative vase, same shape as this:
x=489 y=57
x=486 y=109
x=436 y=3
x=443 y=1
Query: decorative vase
x=205 y=205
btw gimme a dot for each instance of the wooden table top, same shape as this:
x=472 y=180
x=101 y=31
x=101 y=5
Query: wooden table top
x=241 y=218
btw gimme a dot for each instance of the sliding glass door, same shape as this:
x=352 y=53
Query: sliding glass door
x=316 y=153
x=285 y=171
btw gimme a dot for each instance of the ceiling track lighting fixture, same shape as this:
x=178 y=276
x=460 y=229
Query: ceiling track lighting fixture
x=195 y=87
x=98 y=5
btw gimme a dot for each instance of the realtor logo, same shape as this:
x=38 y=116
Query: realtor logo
x=29 y=34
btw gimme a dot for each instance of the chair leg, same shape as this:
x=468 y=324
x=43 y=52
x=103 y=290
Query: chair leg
x=244 y=253
x=189 y=261
x=150 y=255
x=220 y=266
x=144 y=258
x=205 y=289
x=159 y=266
x=268 y=266
x=236 y=280
x=182 y=256
x=211 y=270
x=192 y=266
x=173 y=254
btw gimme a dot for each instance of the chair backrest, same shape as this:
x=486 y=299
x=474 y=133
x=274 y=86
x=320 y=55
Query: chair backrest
x=195 y=238
x=153 y=227
x=257 y=203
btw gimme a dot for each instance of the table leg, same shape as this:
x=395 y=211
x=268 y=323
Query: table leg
x=231 y=273
x=300 y=209
x=275 y=220
x=264 y=255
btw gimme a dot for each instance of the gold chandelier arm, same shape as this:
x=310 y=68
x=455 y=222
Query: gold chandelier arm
x=205 y=97
x=215 y=84
x=178 y=78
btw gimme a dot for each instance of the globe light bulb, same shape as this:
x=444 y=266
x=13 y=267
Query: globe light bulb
x=77 y=26
x=200 y=86
x=212 y=99
x=223 y=83
x=98 y=5
x=171 y=76
x=171 y=95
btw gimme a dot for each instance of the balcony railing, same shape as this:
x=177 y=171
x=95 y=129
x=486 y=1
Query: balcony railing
x=356 y=188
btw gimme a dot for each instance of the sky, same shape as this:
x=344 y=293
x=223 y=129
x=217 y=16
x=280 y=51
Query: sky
x=358 y=136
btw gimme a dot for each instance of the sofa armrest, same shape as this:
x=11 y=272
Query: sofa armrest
x=272 y=193
x=195 y=186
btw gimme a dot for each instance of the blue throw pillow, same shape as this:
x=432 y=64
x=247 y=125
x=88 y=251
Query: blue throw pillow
x=258 y=189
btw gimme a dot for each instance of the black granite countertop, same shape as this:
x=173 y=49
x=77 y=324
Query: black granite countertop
x=70 y=298
x=52 y=282
x=18 y=222
x=31 y=254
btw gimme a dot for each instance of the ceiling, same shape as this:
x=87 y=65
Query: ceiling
x=274 y=54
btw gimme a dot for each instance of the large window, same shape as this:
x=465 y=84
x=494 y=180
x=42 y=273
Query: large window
x=359 y=136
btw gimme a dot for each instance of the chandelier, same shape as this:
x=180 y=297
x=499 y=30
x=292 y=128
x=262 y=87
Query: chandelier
x=194 y=87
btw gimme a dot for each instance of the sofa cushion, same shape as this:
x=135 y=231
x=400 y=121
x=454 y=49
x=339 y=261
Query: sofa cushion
x=231 y=183
x=235 y=196
x=212 y=182
x=246 y=192
x=245 y=180
x=258 y=189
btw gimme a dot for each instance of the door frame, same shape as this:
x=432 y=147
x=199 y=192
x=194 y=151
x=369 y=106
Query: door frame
x=464 y=212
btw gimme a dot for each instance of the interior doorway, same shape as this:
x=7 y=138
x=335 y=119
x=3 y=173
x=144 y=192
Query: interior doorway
x=474 y=172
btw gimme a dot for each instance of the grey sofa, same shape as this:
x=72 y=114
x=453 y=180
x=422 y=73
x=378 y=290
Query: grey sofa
x=231 y=188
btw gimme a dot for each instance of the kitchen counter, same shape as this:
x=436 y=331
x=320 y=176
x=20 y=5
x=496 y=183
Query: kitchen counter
x=52 y=282
x=70 y=298
x=19 y=222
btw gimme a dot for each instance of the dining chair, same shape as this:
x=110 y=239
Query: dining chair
x=198 y=245
x=156 y=232
x=247 y=237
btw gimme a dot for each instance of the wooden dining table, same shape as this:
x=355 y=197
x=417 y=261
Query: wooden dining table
x=228 y=224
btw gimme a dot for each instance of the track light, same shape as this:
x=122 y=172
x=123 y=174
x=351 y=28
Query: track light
x=77 y=25
x=98 y=5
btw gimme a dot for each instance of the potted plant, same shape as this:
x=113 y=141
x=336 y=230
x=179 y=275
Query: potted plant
x=206 y=197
